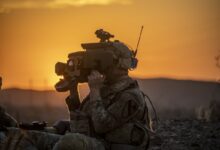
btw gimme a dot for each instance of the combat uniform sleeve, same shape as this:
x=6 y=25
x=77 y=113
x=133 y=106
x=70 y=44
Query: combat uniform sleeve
x=106 y=119
x=72 y=103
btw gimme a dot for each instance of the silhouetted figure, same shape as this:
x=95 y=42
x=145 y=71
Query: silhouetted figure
x=211 y=113
x=6 y=119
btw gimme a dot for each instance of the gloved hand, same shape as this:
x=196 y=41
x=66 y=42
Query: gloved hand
x=95 y=81
x=62 y=126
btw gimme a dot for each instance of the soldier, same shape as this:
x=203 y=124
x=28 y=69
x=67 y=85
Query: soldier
x=114 y=116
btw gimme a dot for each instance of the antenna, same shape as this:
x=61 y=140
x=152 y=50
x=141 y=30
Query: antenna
x=135 y=52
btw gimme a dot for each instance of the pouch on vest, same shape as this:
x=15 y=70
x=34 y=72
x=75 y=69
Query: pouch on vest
x=129 y=133
x=79 y=123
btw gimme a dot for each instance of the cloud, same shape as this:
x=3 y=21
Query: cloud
x=8 y=5
x=90 y=2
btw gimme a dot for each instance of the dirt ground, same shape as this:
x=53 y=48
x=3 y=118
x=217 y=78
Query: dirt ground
x=186 y=135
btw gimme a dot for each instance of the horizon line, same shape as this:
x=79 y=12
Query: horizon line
x=51 y=88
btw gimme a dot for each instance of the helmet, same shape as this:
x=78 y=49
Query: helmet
x=123 y=54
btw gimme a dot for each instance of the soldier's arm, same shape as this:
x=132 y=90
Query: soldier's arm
x=116 y=115
x=73 y=100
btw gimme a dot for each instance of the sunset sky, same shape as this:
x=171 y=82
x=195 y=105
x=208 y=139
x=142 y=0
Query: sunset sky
x=180 y=40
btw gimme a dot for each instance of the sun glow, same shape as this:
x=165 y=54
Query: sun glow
x=7 y=6
x=89 y=2
x=35 y=34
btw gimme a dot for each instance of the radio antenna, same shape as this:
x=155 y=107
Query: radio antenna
x=135 y=52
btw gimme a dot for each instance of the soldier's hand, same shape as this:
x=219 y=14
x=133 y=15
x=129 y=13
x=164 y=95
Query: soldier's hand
x=95 y=81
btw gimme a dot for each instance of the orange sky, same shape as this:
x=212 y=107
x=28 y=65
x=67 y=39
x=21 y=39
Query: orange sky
x=180 y=38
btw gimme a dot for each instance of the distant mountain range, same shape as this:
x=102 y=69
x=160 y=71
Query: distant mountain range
x=180 y=93
x=179 y=98
x=174 y=97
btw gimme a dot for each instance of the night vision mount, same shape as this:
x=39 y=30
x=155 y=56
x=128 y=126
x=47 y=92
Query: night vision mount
x=103 y=35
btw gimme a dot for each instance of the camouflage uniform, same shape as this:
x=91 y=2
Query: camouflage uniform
x=119 y=116
x=27 y=140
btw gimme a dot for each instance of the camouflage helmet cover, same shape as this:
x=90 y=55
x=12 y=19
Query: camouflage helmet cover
x=123 y=54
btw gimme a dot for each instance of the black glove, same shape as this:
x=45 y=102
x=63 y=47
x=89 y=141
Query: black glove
x=62 y=126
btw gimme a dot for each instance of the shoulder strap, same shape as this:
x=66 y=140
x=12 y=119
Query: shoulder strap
x=86 y=99
x=118 y=94
x=153 y=108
